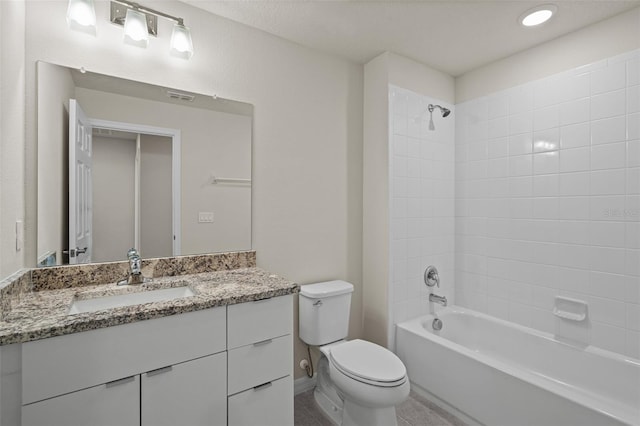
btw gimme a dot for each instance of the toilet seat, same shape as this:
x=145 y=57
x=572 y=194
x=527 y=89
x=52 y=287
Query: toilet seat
x=368 y=363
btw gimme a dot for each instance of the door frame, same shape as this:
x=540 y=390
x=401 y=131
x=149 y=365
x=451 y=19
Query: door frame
x=174 y=134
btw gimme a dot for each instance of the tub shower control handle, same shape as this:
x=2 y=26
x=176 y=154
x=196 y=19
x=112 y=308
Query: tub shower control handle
x=431 y=277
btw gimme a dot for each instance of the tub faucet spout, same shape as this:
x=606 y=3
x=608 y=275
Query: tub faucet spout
x=438 y=299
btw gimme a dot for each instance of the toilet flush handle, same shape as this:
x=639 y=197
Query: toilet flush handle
x=317 y=303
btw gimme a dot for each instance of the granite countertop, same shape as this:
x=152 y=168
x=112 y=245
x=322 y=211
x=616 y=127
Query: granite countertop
x=43 y=314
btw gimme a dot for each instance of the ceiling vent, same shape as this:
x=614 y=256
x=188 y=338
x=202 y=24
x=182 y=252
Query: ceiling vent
x=180 y=96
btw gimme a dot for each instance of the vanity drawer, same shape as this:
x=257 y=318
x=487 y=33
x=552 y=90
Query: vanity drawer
x=268 y=405
x=63 y=364
x=258 y=363
x=253 y=322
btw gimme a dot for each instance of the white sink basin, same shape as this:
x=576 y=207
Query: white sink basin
x=128 y=299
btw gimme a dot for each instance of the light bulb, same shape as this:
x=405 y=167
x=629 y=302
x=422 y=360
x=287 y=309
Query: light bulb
x=81 y=16
x=538 y=15
x=181 y=44
x=135 y=28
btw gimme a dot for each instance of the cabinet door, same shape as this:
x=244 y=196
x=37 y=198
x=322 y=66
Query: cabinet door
x=191 y=393
x=270 y=404
x=114 y=404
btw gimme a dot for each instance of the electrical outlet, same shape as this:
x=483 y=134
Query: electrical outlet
x=205 y=217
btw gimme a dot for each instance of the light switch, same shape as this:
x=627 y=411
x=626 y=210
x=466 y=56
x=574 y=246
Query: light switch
x=205 y=217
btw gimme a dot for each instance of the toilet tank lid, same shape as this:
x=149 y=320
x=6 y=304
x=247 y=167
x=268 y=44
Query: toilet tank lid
x=326 y=289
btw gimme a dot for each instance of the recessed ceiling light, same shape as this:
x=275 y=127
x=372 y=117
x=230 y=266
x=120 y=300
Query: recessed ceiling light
x=538 y=15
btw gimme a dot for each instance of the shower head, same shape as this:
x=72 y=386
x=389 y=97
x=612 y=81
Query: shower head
x=445 y=113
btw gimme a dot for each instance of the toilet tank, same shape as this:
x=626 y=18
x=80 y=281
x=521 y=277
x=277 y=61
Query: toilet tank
x=324 y=312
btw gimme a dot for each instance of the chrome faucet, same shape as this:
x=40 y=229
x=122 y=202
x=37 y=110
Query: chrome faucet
x=135 y=269
x=438 y=299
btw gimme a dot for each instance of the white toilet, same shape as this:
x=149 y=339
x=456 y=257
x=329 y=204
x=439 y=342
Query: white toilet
x=358 y=382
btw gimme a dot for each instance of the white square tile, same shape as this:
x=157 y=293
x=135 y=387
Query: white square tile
x=633 y=344
x=520 y=99
x=632 y=262
x=545 y=118
x=498 y=148
x=520 y=123
x=633 y=316
x=574 y=256
x=400 y=125
x=521 y=186
x=546 y=185
x=632 y=235
x=633 y=126
x=399 y=167
x=546 y=208
x=610 y=286
x=498 y=105
x=633 y=99
x=608 y=182
x=546 y=140
x=577 y=111
x=633 y=153
x=498 y=308
x=571 y=279
x=575 y=135
x=633 y=72
x=399 y=145
x=608 y=337
x=520 y=208
x=573 y=232
x=609 y=78
x=608 y=156
x=607 y=234
x=608 y=130
x=545 y=163
x=543 y=297
x=607 y=208
x=633 y=181
x=575 y=160
x=475 y=151
x=398 y=207
x=413 y=167
x=632 y=208
x=576 y=87
x=547 y=91
x=574 y=208
x=413 y=147
x=498 y=168
x=521 y=165
x=607 y=311
x=520 y=314
x=611 y=104
x=521 y=144
x=574 y=183
x=498 y=127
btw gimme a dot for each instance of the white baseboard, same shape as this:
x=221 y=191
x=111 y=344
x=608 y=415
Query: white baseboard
x=304 y=384
x=444 y=405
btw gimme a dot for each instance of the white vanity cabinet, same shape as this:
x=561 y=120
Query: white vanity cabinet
x=95 y=374
x=260 y=350
x=220 y=366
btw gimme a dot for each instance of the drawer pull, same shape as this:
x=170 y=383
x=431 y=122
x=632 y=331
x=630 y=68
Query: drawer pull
x=263 y=386
x=263 y=342
x=159 y=371
x=120 y=381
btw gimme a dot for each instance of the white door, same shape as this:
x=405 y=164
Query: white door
x=80 y=185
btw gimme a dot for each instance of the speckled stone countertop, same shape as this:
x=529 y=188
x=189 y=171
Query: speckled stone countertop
x=43 y=314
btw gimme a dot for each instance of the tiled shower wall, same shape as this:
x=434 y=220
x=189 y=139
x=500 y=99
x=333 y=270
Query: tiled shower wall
x=547 y=186
x=421 y=202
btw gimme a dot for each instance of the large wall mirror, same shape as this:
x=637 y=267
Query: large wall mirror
x=125 y=164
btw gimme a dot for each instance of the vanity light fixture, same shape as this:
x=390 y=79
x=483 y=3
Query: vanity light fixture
x=538 y=15
x=140 y=21
x=81 y=16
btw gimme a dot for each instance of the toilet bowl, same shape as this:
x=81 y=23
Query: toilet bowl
x=358 y=382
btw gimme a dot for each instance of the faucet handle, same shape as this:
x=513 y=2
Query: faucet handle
x=431 y=277
x=132 y=253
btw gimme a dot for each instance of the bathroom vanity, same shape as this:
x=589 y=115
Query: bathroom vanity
x=223 y=355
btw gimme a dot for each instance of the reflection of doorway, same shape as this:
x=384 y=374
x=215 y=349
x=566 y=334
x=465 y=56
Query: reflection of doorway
x=131 y=194
x=136 y=190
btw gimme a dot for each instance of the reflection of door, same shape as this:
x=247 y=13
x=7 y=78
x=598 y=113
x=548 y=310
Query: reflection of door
x=80 y=186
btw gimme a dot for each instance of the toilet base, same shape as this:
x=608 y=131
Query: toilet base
x=358 y=415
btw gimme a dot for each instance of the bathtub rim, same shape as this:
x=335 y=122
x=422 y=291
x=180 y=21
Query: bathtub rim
x=618 y=411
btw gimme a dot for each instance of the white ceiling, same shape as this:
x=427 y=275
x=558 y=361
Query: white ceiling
x=454 y=36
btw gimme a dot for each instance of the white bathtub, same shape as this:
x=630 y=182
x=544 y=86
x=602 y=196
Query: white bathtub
x=500 y=373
